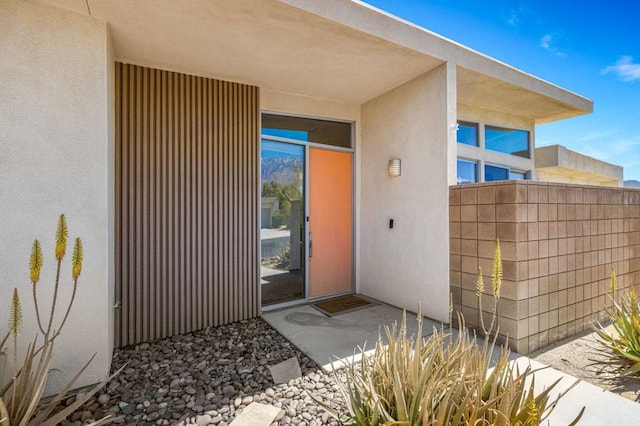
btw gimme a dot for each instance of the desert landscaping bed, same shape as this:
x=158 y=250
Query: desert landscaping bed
x=207 y=378
x=583 y=357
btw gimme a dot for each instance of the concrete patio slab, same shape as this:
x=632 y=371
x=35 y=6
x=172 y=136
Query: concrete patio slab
x=601 y=407
x=336 y=339
x=326 y=339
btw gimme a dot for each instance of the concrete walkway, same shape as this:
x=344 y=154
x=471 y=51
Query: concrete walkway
x=336 y=339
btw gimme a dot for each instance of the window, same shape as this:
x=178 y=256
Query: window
x=517 y=175
x=326 y=132
x=473 y=167
x=492 y=173
x=508 y=141
x=467 y=171
x=467 y=133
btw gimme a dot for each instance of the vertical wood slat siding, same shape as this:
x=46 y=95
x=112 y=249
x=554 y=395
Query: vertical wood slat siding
x=186 y=203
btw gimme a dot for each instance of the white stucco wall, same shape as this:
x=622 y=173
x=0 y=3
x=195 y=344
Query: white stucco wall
x=288 y=103
x=56 y=156
x=408 y=265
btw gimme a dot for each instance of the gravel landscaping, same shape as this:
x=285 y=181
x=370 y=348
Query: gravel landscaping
x=207 y=378
x=583 y=357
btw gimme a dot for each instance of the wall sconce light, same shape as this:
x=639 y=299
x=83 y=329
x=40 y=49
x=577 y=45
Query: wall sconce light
x=394 y=167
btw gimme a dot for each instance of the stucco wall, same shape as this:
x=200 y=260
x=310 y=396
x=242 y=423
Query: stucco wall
x=55 y=151
x=407 y=265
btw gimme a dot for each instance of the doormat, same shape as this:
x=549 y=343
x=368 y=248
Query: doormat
x=342 y=305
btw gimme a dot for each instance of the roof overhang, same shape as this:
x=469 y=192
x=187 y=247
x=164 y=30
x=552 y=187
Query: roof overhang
x=342 y=50
x=570 y=165
x=542 y=104
x=266 y=43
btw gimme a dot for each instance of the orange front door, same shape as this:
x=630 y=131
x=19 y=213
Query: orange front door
x=330 y=222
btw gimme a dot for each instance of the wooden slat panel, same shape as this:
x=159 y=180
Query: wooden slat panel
x=186 y=203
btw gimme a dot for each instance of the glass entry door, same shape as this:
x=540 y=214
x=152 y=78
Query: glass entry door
x=282 y=226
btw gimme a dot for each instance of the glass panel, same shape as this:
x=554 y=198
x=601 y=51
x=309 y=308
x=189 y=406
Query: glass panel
x=467 y=172
x=495 y=173
x=509 y=141
x=307 y=129
x=282 y=222
x=513 y=175
x=467 y=133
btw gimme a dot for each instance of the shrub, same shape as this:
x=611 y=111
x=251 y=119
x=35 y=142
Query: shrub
x=283 y=256
x=440 y=381
x=25 y=376
x=278 y=220
x=623 y=343
x=443 y=380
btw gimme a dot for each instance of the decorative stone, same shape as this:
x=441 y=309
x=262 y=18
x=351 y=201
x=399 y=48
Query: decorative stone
x=203 y=420
x=201 y=378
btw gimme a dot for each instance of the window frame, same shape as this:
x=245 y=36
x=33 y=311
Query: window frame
x=525 y=174
x=467 y=123
x=488 y=126
x=476 y=163
x=308 y=119
x=497 y=166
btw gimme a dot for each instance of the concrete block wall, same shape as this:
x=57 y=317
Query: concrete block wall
x=558 y=242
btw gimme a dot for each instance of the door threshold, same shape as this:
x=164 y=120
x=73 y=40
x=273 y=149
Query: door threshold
x=283 y=305
x=301 y=302
x=329 y=296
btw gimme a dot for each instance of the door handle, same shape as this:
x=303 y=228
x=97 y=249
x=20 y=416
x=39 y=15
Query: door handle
x=310 y=249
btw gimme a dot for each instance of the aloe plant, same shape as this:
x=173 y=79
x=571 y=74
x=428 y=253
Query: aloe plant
x=439 y=381
x=25 y=375
x=442 y=380
x=496 y=285
x=623 y=343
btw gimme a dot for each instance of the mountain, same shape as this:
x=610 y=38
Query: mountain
x=632 y=184
x=279 y=169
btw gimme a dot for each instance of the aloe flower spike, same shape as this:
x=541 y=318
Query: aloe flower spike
x=15 y=316
x=496 y=275
x=35 y=266
x=479 y=283
x=61 y=247
x=61 y=237
x=614 y=281
x=35 y=263
x=76 y=259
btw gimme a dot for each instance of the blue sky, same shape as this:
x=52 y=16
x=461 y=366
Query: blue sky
x=588 y=47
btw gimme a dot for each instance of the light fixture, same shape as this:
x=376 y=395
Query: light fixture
x=393 y=169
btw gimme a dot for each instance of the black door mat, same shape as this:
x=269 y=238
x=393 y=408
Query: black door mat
x=342 y=305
